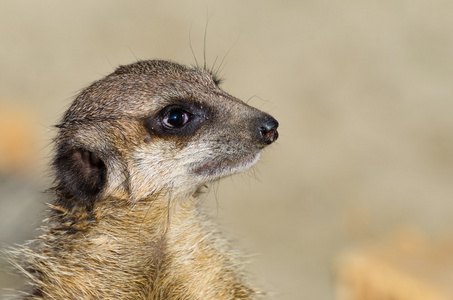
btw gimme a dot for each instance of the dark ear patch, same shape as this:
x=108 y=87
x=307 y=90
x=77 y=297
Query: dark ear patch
x=80 y=172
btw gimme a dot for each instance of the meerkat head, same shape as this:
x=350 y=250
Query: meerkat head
x=153 y=127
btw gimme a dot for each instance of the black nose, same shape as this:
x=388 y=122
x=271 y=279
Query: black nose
x=268 y=130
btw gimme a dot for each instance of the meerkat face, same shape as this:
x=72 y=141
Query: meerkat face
x=156 y=126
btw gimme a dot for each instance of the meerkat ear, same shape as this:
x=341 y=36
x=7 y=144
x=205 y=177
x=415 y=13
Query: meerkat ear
x=80 y=172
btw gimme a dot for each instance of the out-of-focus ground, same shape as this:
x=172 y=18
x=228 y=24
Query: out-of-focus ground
x=363 y=91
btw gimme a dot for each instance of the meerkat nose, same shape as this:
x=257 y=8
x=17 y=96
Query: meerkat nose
x=268 y=130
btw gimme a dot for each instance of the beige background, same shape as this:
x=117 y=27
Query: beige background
x=363 y=91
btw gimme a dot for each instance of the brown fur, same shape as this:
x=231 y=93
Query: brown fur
x=126 y=222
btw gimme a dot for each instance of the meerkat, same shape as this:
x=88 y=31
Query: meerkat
x=132 y=153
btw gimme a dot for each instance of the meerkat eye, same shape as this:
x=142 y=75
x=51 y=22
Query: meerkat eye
x=176 y=117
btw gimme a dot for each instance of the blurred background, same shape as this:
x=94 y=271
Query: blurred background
x=363 y=91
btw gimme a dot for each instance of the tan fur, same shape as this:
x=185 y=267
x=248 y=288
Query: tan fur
x=142 y=234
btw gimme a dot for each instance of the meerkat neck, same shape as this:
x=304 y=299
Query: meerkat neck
x=152 y=249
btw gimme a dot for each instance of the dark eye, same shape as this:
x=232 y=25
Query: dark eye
x=176 y=118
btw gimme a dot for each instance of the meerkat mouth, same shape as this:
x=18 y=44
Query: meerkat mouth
x=224 y=167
